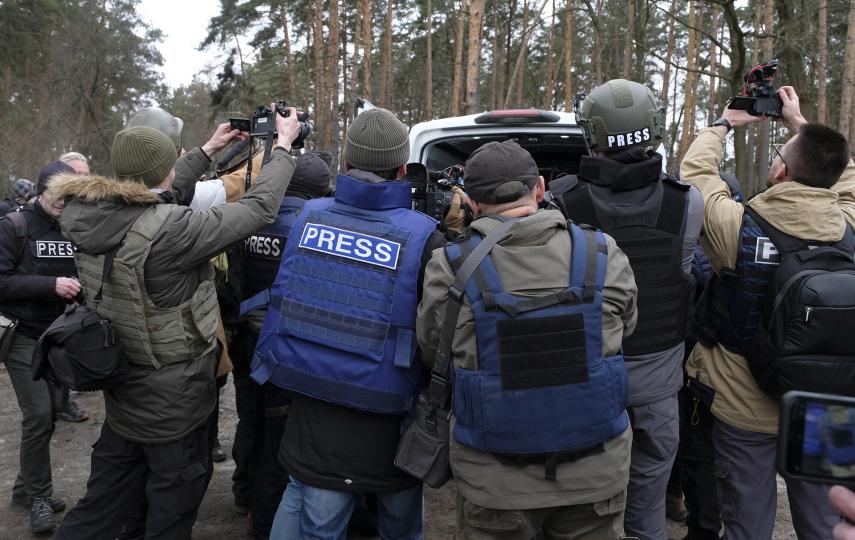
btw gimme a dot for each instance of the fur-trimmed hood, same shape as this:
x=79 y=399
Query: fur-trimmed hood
x=99 y=188
x=98 y=211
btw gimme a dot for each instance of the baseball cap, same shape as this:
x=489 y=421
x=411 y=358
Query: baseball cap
x=499 y=172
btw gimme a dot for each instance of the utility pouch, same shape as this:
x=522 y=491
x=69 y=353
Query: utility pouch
x=423 y=448
x=7 y=332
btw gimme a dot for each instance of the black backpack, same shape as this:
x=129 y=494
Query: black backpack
x=805 y=341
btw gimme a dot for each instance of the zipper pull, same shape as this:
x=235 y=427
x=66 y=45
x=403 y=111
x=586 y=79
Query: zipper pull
x=808 y=311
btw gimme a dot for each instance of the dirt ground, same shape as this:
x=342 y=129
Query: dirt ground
x=71 y=447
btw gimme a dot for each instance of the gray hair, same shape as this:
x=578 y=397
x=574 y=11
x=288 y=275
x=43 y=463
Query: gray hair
x=73 y=156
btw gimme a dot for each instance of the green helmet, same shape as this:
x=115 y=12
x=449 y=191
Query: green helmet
x=160 y=120
x=620 y=114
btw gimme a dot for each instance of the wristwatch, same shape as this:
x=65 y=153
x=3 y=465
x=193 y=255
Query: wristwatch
x=722 y=122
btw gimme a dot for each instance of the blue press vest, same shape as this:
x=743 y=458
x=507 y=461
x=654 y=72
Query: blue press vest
x=742 y=289
x=542 y=384
x=342 y=315
x=840 y=444
x=262 y=252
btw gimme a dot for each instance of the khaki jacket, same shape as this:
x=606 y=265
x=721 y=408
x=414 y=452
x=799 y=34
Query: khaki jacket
x=532 y=260
x=798 y=210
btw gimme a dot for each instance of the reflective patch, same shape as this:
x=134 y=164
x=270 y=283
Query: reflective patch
x=264 y=246
x=54 y=249
x=633 y=137
x=350 y=245
x=765 y=252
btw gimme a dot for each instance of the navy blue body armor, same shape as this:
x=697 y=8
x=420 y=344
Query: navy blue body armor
x=542 y=385
x=341 y=322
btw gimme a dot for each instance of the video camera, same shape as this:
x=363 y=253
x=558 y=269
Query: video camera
x=759 y=96
x=432 y=194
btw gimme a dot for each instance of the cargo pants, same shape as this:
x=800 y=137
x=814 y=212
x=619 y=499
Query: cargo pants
x=37 y=423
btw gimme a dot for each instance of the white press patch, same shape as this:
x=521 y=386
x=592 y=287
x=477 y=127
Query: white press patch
x=633 y=137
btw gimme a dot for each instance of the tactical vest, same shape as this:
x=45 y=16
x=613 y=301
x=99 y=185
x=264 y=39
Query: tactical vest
x=729 y=311
x=42 y=251
x=262 y=251
x=652 y=239
x=542 y=385
x=150 y=335
x=341 y=321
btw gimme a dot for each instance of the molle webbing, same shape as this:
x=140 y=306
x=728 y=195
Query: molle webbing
x=149 y=335
x=655 y=254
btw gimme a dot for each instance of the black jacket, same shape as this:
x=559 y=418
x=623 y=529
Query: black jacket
x=29 y=268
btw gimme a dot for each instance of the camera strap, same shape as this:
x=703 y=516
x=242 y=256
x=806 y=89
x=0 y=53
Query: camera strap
x=268 y=149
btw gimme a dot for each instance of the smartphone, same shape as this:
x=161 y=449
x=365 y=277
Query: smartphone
x=816 y=438
x=240 y=124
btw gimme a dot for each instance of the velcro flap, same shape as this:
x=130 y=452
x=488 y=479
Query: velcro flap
x=542 y=352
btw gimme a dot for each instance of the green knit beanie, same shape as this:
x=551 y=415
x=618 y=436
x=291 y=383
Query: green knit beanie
x=376 y=141
x=143 y=154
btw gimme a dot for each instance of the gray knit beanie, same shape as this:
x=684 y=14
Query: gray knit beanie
x=376 y=141
x=143 y=154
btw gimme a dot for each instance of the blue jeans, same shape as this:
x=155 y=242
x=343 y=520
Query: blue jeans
x=309 y=513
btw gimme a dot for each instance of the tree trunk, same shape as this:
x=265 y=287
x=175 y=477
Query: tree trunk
x=473 y=64
x=822 y=62
x=429 y=61
x=627 y=49
x=597 y=51
x=518 y=80
x=518 y=65
x=290 y=83
x=761 y=148
x=386 y=56
x=737 y=67
x=688 y=132
x=321 y=103
x=496 y=59
x=568 y=55
x=846 y=98
x=367 y=45
x=669 y=52
x=550 y=63
x=457 y=83
x=713 y=56
x=332 y=74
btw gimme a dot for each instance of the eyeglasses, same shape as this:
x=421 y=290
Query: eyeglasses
x=776 y=151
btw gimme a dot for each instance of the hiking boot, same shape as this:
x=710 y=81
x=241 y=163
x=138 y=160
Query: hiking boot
x=71 y=412
x=675 y=508
x=56 y=504
x=217 y=453
x=41 y=516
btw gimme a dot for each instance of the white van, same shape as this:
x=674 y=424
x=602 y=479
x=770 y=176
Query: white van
x=552 y=138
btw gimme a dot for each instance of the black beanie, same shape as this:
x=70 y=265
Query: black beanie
x=48 y=171
x=311 y=178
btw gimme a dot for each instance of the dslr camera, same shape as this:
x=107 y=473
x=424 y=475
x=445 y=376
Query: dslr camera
x=262 y=123
x=432 y=193
x=759 y=96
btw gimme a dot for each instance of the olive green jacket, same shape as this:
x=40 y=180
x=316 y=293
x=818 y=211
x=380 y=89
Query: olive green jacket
x=532 y=260
x=163 y=405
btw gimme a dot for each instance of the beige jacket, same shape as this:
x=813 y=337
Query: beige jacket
x=532 y=260
x=798 y=210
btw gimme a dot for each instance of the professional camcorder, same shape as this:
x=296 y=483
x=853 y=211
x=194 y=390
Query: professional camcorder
x=432 y=194
x=759 y=96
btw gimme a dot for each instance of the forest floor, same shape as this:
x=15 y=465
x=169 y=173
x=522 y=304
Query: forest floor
x=71 y=447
